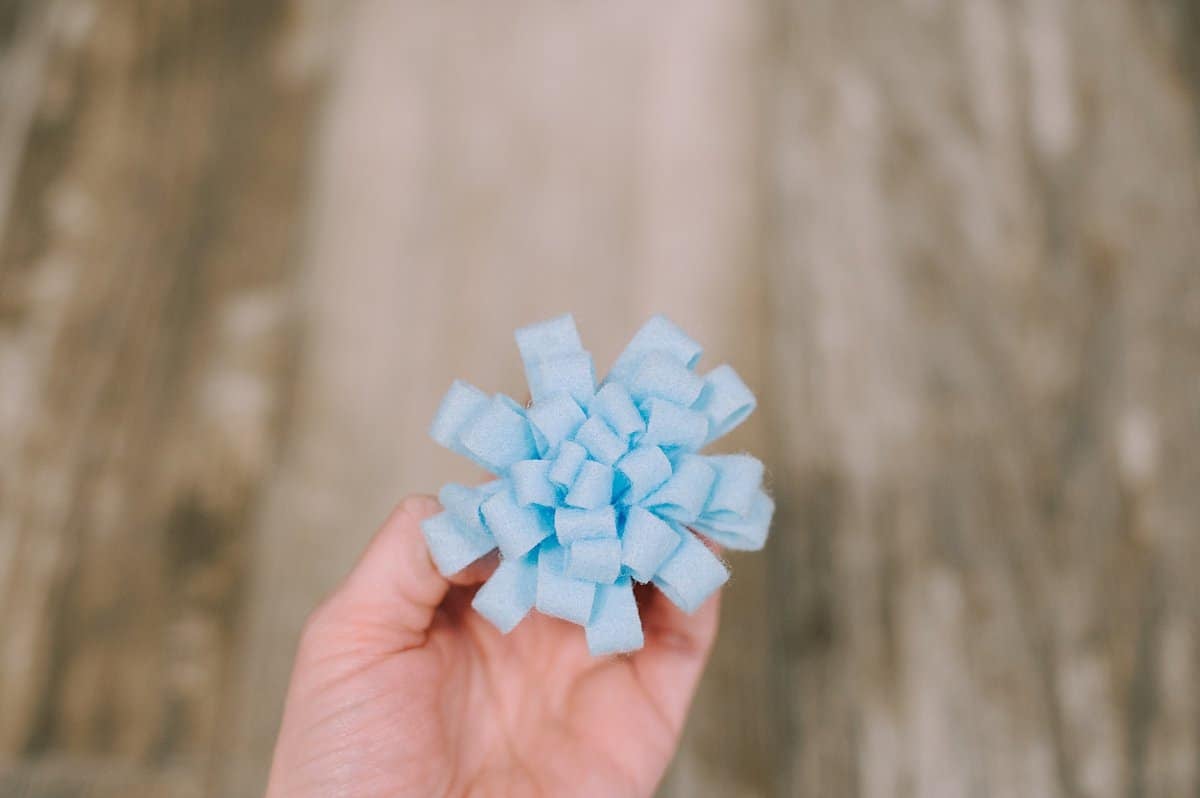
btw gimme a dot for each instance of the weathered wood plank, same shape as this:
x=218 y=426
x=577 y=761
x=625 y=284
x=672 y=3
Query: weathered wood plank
x=986 y=318
x=145 y=297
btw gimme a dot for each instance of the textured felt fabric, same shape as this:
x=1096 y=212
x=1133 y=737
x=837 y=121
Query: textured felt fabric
x=599 y=487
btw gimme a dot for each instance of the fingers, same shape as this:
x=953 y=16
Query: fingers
x=675 y=652
x=392 y=593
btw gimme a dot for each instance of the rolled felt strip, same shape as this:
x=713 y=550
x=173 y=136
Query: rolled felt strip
x=646 y=543
x=571 y=525
x=531 y=483
x=558 y=594
x=509 y=594
x=670 y=425
x=615 y=627
x=556 y=418
x=594 y=559
x=570 y=374
x=461 y=404
x=739 y=479
x=614 y=404
x=644 y=469
x=454 y=546
x=744 y=533
x=683 y=497
x=601 y=442
x=661 y=375
x=657 y=334
x=725 y=400
x=497 y=437
x=691 y=574
x=565 y=467
x=595 y=485
x=516 y=529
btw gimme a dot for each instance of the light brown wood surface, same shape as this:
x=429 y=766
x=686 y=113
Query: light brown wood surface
x=954 y=246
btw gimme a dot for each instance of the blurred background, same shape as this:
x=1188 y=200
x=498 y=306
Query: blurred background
x=954 y=245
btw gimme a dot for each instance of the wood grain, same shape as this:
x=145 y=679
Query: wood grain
x=955 y=247
x=144 y=335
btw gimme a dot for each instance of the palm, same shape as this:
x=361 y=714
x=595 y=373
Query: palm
x=462 y=709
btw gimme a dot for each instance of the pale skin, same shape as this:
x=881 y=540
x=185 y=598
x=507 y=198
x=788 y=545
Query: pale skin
x=400 y=689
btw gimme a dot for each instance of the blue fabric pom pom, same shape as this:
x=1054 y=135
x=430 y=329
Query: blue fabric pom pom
x=599 y=487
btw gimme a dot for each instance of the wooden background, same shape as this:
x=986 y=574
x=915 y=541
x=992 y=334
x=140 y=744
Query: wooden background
x=954 y=244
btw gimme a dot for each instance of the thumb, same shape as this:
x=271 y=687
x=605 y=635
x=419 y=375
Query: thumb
x=390 y=596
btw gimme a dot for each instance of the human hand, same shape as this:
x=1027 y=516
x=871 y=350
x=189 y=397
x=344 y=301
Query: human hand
x=401 y=689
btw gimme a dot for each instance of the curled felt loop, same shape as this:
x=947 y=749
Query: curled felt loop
x=743 y=533
x=594 y=559
x=656 y=335
x=691 y=574
x=571 y=524
x=516 y=529
x=739 y=479
x=555 y=419
x=558 y=594
x=725 y=400
x=670 y=425
x=461 y=404
x=497 y=437
x=509 y=594
x=596 y=485
x=593 y=487
x=454 y=546
x=531 y=483
x=565 y=467
x=683 y=496
x=647 y=543
x=661 y=375
x=643 y=470
x=614 y=626
x=602 y=444
x=614 y=404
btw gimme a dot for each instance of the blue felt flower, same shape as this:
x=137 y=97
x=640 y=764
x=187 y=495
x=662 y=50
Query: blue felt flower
x=599 y=487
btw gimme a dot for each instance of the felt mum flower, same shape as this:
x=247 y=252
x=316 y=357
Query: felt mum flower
x=599 y=487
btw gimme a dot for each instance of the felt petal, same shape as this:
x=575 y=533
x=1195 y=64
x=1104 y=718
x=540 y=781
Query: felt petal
x=594 y=559
x=593 y=487
x=517 y=529
x=509 y=594
x=531 y=483
x=644 y=469
x=601 y=442
x=741 y=533
x=670 y=425
x=462 y=403
x=659 y=374
x=614 y=404
x=548 y=339
x=555 y=360
x=691 y=574
x=646 y=543
x=658 y=334
x=571 y=525
x=454 y=546
x=556 y=418
x=498 y=436
x=615 y=626
x=565 y=467
x=573 y=375
x=463 y=502
x=683 y=496
x=725 y=400
x=558 y=594
x=739 y=479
